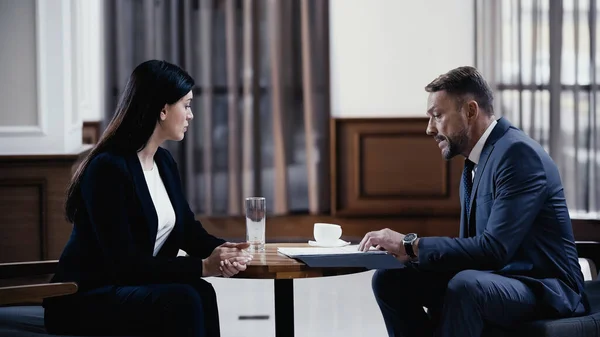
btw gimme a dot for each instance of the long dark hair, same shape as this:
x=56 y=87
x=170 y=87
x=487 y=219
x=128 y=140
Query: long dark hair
x=151 y=85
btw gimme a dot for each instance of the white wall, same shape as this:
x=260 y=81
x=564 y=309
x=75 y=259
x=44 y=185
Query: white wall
x=384 y=52
x=18 y=79
x=89 y=49
x=49 y=74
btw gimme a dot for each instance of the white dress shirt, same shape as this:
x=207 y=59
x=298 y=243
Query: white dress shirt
x=163 y=206
x=476 y=152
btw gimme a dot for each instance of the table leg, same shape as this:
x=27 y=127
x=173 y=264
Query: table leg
x=284 y=307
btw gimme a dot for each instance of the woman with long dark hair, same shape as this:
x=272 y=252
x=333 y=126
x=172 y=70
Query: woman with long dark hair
x=130 y=218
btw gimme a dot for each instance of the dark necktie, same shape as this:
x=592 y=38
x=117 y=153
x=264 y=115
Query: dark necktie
x=467 y=180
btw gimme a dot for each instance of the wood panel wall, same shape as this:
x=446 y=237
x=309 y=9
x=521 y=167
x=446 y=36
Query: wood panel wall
x=390 y=167
x=90 y=132
x=32 y=194
x=384 y=173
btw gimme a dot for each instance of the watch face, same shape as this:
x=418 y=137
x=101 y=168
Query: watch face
x=410 y=237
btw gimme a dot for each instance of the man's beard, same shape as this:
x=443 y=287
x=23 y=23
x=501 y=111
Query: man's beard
x=456 y=144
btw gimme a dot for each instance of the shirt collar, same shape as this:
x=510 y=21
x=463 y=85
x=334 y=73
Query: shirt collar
x=476 y=152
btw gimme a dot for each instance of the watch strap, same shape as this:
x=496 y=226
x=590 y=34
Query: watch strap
x=409 y=249
x=408 y=245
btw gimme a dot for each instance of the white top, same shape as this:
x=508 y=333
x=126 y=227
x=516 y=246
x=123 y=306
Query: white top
x=476 y=152
x=163 y=206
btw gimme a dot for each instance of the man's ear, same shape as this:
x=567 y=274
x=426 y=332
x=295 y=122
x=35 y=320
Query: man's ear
x=472 y=109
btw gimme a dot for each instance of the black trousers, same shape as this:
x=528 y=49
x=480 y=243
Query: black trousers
x=457 y=304
x=149 y=310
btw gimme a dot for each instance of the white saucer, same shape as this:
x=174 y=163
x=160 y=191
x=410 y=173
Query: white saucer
x=339 y=243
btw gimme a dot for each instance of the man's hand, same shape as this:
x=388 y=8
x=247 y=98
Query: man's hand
x=385 y=239
x=227 y=259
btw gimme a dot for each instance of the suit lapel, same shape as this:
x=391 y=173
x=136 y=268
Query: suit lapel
x=169 y=180
x=141 y=188
x=499 y=130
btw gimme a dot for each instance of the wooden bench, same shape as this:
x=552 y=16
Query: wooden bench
x=24 y=286
x=31 y=293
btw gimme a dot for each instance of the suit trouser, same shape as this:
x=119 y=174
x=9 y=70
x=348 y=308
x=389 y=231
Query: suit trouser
x=188 y=309
x=458 y=304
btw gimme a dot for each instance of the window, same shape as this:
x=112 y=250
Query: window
x=541 y=58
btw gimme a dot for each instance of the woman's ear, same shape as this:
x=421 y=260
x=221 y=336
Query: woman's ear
x=163 y=113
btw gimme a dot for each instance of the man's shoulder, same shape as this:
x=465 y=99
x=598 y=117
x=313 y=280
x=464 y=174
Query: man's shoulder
x=515 y=149
x=515 y=140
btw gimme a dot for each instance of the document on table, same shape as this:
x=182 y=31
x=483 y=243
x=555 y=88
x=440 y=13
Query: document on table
x=315 y=251
x=347 y=256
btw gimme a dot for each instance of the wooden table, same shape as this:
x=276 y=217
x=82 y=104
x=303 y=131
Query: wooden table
x=283 y=270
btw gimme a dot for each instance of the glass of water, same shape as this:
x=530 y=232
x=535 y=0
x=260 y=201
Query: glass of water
x=256 y=213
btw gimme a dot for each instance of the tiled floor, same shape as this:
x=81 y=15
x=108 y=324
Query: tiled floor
x=331 y=306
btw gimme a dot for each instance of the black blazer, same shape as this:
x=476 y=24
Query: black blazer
x=114 y=232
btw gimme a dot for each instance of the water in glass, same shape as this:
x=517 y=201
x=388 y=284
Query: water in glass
x=255 y=223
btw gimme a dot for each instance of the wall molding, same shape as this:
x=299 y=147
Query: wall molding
x=361 y=175
x=40 y=184
x=389 y=166
x=41 y=128
x=69 y=78
x=91 y=132
x=36 y=210
x=22 y=130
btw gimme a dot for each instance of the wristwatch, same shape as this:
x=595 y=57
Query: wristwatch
x=408 y=242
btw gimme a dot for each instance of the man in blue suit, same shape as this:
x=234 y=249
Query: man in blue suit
x=515 y=259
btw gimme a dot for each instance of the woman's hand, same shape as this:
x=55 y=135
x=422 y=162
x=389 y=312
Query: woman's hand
x=235 y=256
x=229 y=269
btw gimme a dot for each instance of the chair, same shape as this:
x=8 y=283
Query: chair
x=20 y=311
x=24 y=285
x=583 y=326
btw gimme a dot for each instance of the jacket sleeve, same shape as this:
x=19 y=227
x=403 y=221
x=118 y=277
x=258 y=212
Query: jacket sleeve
x=104 y=190
x=197 y=241
x=520 y=192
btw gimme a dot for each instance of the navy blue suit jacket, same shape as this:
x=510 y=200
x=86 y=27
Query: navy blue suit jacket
x=113 y=235
x=523 y=226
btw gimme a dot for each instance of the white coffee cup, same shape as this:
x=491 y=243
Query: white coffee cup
x=327 y=233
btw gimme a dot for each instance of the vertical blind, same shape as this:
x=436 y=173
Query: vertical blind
x=261 y=95
x=541 y=58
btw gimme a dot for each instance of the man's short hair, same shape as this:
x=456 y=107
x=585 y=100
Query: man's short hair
x=464 y=81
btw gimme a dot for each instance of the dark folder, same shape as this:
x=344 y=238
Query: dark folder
x=364 y=260
x=347 y=256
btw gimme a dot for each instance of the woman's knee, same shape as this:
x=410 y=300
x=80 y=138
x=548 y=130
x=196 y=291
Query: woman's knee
x=205 y=289
x=181 y=310
x=179 y=298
